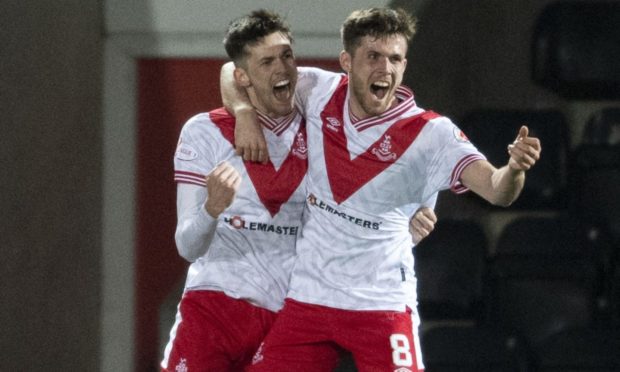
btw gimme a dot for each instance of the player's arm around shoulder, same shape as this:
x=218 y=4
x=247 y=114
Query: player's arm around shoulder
x=250 y=142
x=502 y=186
x=313 y=84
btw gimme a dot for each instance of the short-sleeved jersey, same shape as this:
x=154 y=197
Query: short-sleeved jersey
x=365 y=180
x=252 y=252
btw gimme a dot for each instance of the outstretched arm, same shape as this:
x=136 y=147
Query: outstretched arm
x=249 y=139
x=502 y=186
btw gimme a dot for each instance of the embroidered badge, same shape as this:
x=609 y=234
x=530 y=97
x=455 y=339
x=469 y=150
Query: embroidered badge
x=402 y=369
x=299 y=147
x=459 y=135
x=182 y=366
x=185 y=152
x=384 y=152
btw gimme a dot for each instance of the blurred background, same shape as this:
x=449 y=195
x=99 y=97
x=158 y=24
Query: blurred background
x=93 y=95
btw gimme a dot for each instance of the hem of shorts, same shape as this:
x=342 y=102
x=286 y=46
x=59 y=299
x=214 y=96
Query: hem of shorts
x=233 y=295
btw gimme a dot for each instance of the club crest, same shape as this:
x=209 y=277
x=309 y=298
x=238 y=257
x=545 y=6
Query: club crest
x=459 y=135
x=384 y=152
x=300 y=149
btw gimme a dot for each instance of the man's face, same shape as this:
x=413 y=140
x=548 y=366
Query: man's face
x=375 y=71
x=271 y=75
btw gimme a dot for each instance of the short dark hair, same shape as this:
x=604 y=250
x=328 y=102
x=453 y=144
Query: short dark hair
x=378 y=23
x=250 y=29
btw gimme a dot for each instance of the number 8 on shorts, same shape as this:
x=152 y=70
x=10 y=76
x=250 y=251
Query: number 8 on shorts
x=401 y=351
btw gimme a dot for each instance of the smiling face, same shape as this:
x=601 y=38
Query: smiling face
x=375 y=70
x=269 y=73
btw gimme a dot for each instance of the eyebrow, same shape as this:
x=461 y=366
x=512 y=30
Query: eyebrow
x=266 y=59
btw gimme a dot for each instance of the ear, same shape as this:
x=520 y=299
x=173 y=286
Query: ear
x=241 y=77
x=345 y=61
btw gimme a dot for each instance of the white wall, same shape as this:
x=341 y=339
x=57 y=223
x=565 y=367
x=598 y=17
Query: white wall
x=315 y=23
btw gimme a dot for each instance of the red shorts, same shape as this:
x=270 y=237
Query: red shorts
x=309 y=338
x=214 y=332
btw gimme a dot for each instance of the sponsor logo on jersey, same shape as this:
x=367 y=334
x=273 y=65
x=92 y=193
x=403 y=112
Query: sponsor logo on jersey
x=313 y=201
x=459 y=135
x=185 y=151
x=402 y=369
x=384 y=152
x=299 y=147
x=239 y=223
x=333 y=124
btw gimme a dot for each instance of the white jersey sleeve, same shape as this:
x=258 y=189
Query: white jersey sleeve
x=195 y=227
x=197 y=153
x=451 y=153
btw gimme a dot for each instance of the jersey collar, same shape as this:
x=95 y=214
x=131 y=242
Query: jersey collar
x=404 y=95
x=278 y=125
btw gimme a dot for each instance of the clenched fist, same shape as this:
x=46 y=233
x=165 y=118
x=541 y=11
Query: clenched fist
x=422 y=223
x=222 y=185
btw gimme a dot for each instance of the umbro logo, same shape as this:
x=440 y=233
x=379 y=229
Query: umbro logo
x=333 y=124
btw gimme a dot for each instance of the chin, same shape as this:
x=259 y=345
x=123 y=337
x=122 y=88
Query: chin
x=376 y=108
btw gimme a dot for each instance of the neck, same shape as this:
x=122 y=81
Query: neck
x=360 y=113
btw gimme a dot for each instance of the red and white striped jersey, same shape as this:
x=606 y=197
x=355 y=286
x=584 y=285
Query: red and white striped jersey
x=252 y=252
x=365 y=180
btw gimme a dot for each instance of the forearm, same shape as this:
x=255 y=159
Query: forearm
x=234 y=97
x=498 y=186
x=195 y=227
x=250 y=143
x=194 y=235
x=507 y=184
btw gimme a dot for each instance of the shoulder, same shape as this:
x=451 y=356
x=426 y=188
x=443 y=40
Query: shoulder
x=312 y=77
x=208 y=123
x=442 y=130
x=315 y=72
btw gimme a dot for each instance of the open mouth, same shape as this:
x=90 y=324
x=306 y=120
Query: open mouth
x=379 y=89
x=282 y=89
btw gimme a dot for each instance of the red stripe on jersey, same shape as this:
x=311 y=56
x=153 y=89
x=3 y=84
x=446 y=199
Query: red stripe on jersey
x=274 y=188
x=189 y=177
x=455 y=183
x=346 y=176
